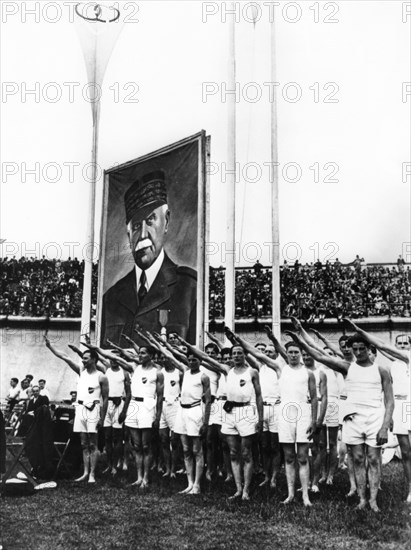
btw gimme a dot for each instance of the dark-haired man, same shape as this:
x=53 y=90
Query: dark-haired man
x=366 y=422
x=92 y=387
x=155 y=284
x=142 y=411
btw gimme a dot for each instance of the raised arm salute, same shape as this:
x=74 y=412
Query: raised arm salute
x=92 y=388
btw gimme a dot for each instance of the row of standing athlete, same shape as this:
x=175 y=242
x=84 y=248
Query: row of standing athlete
x=226 y=396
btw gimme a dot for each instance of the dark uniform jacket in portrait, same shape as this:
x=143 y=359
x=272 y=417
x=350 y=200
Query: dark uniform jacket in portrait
x=174 y=291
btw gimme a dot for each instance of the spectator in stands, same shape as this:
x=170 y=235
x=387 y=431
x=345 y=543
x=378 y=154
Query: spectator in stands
x=43 y=390
x=13 y=394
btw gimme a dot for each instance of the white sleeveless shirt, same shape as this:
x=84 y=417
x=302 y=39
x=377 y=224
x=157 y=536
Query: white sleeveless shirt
x=144 y=382
x=115 y=382
x=88 y=387
x=192 y=388
x=240 y=387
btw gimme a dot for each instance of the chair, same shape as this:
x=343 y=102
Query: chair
x=62 y=438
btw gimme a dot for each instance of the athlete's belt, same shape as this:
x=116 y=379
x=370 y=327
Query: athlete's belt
x=213 y=398
x=343 y=397
x=229 y=405
x=222 y=398
x=89 y=407
x=400 y=397
x=268 y=403
x=137 y=398
x=191 y=405
x=115 y=400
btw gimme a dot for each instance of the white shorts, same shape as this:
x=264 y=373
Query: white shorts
x=240 y=421
x=294 y=421
x=331 y=419
x=271 y=414
x=401 y=416
x=216 y=412
x=141 y=414
x=168 y=415
x=85 y=421
x=189 y=421
x=363 y=427
x=113 y=412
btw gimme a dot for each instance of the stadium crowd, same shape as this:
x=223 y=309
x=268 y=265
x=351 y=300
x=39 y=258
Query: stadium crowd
x=35 y=288
x=318 y=291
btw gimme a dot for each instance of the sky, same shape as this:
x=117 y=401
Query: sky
x=343 y=113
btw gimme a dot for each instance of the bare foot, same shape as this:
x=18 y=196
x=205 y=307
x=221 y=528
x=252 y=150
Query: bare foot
x=237 y=494
x=195 y=490
x=82 y=478
x=273 y=484
x=361 y=505
x=228 y=478
x=167 y=474
x=172 y=475
x=322 y=480
x=113 y=471
x=315 y=489
x=181 y=471
x=125 y=467
x=307 y=502
x=330 y=480
x=374 y=506
x=264 y=482
x=245 y=496
x=208 y=476
x=288 y=500
x=351 y=493
x=145 y=484
x=106 y=470
x=91 y=479
x=186 y=491
x=137 y=483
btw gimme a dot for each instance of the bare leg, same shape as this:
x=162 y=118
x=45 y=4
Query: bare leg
x=93 y=457
x=136 y=441
x=147 y=454
x=405 y=446
x=358 y=455
x=165 y=444
x=332 y=457
x=199 y=461
x=212 y=447
x=174 y=453
x=108 y=439
x=117 y=446
x=188 y=461
x=266 y=456
x=304 y=470
x=351 y=473
x=374 y=474
x=318 y=451
x=276 y=462
x=247 y=455
x=226 y=456
x=86 y=456
x=234 y=443
x=289 y=457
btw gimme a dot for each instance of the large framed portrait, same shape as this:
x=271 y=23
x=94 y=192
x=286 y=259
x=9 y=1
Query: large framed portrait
x=153 y=271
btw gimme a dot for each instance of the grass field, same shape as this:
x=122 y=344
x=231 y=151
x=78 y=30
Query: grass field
x=113 y=515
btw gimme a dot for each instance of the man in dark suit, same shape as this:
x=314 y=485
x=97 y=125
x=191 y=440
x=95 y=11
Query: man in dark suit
x=157 y=293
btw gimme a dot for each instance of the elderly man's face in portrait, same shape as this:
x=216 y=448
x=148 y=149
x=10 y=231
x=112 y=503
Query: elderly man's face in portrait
x=147 y=236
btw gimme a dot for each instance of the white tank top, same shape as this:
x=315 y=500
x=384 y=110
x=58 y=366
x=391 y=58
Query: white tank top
x=317 y=377
x=192 y=388
x=240 y=386
x=222 y=386
x=270 y=389
x=363 y=386
x=294 y=385
x=115 y=382
x=335 y=382
x=400 y=373
x=171 y=385
x=144 y=382
x=213 y=376
x=88 y=387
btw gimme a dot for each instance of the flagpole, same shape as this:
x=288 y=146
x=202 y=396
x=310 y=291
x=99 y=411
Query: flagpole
x=88 y=260
x=229 y=316
x=275 y=233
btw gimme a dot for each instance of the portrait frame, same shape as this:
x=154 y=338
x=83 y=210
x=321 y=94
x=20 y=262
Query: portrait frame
x=185 y=165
